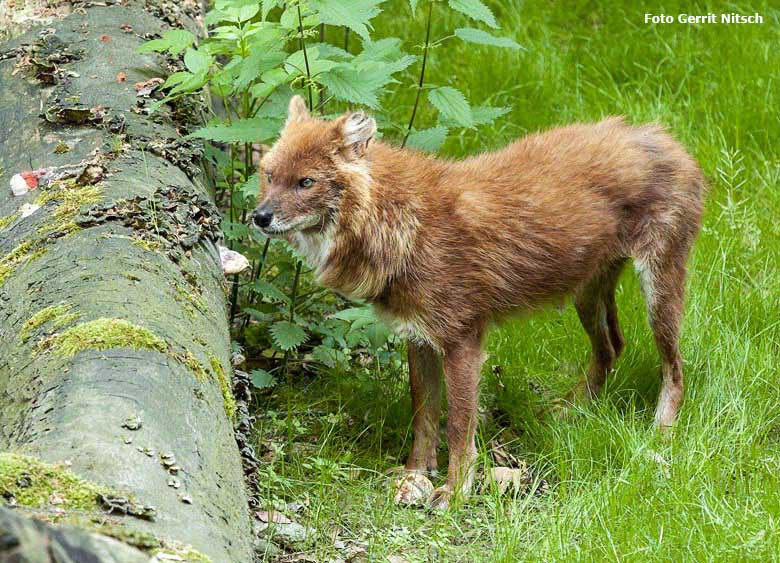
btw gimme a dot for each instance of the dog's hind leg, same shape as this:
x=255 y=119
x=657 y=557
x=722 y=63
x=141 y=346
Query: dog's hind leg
x=596 y=308
x=611 y=277
x=663 y=285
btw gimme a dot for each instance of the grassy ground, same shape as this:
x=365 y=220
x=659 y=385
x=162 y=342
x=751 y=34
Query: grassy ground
x=712 y=491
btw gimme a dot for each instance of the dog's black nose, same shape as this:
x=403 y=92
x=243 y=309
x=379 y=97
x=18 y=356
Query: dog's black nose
x=262 y=217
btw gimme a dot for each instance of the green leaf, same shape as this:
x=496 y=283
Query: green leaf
x=260 y=60
x=270 y=291
x=248 y=11
x=261 y=379
x=331 y=51
x=355 y=314
x=269 y=5
x=429 y=140
x=354 y=14
x=473 y=35
x=325 y=355
x=452 y=104
x=348 y=84
x=173 y=41
x=296 y=63
x=196 y=61
x=287 y=335
x=484 y=115
x=190 y=83
x=475 y=9
x=250 y=188
x=253 y=130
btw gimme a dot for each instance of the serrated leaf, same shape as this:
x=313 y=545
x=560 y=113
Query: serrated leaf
x=287 y=335
x=385 y=49
x=332 y=52
x=484 y=115
x=325 y=355
x=196 y=61
x=475 y=9
x=430 y=140
x=269 y=290
x=355 y=314
x=354 y=14
x=473 y=35
x=174 y=41
x=250 y=188
x=348 y=84
x=452 y=104
x=261 y=379
x=253 y=130
x=296 y=63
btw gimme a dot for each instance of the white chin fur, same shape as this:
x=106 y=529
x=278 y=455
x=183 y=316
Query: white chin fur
x=279 y=228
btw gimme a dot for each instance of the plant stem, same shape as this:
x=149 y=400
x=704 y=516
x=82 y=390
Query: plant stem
x=293 y=297
x=294 y=294
x=422 y=73
x=346 y=39
x=305 y=57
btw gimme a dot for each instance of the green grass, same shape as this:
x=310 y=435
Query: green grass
x=619 y=492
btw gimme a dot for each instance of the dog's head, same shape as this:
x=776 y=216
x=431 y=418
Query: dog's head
x=305 y=173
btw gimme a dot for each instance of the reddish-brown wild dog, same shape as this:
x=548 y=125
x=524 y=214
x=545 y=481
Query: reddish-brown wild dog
x=443 y=248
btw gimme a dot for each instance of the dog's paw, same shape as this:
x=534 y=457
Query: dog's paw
x=412 y=489
x=440 y=498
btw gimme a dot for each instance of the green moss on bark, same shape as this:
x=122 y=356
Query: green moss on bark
x=23 y=254
x=58 y=315
x=36 y=484
x=103 y=334
x=8 y=219
x=70 y=196
x=225 y=386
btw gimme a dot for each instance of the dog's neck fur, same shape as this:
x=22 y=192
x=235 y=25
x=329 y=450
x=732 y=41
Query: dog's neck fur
x=375 y=230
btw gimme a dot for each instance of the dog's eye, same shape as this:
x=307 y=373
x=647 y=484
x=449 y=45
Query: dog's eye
x=269 y=177
x=305 y=183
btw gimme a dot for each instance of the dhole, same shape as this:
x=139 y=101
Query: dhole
x=443 y=248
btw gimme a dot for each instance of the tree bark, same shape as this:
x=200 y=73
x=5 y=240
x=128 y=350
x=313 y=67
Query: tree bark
x=114 y=342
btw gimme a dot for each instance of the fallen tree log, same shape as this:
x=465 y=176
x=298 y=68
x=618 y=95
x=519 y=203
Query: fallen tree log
x=115 y=375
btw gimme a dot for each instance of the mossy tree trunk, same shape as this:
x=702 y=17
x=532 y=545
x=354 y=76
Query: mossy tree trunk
x=114 y=344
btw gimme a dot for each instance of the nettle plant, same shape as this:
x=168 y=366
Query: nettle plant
x=256 y=56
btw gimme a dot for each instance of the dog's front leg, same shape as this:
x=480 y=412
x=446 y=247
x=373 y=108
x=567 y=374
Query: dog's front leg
x=462 y=364
x=425 y=381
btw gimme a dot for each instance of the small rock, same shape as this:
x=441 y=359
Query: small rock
x=174 y=483
x=232 y=261
x=57 y=498
x=186 y=499
x=291 y=536
x=412 y=489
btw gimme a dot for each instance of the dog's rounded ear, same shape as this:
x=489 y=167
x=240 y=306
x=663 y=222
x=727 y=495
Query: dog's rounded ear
x=297 y=110
x=357 y=129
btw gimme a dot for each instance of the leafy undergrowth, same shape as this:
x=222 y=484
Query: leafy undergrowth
x=711 y=491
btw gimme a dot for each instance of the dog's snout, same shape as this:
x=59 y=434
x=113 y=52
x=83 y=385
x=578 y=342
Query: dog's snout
x=262 y=216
